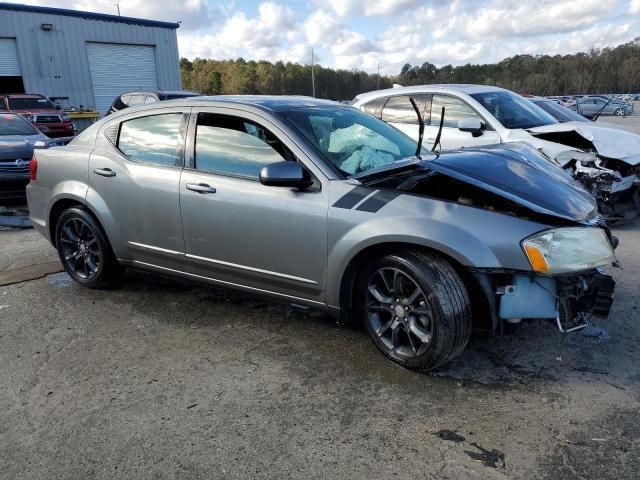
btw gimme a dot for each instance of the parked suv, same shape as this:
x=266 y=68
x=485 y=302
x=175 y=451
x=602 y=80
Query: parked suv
x=319 y=204
x=40 y=111
x=133 y=99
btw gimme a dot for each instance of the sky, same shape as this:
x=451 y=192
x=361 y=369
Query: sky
x=386 y=34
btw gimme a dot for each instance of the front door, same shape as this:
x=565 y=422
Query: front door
x=238 y=231
x=455 y=110
x=134 y=172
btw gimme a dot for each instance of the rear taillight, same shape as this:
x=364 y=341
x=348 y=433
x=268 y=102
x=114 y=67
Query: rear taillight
x=33 y=168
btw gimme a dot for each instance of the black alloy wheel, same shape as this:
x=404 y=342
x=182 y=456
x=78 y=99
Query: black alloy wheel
x=415 y=307
x=397 y=309
x=84 y=250
x=80 y=248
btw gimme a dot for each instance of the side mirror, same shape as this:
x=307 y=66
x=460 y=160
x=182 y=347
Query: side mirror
x=285 y=174
x=58 y=106
x=471 y=125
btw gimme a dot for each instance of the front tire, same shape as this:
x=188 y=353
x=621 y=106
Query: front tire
x=415 y=308
x=619 y=112
x=84 y=250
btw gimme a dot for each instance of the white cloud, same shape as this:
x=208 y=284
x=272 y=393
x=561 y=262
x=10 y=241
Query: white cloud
x=362 y=33
x=193 y=14
x=344 y=8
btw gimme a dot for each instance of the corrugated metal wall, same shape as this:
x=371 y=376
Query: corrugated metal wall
x=55 y=63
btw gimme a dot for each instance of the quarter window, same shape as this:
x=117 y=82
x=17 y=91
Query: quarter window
x=235 y=146
x=399 y=109
x=154 y=139
x=455 y=110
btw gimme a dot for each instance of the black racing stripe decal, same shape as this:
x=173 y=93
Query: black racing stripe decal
x=377 y=201
x=352 y=198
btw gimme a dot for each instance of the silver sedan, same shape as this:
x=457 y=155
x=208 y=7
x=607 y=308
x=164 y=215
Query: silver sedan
x=321 y=205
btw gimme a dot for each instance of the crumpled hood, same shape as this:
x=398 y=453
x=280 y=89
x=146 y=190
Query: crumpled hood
x=608 y=142
x=519 y=173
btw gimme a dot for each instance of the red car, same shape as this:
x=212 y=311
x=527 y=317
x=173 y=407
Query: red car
x=40 y=111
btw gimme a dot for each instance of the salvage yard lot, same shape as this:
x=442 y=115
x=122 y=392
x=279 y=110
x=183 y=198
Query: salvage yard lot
x=164 y=379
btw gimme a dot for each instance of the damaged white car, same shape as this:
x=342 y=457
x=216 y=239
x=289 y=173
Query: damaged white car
x=605 y=160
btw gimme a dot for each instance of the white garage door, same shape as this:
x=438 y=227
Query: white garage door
x=119 y=68
x=9 y=64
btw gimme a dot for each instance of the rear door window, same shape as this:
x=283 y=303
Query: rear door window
x=398 y=109
x=156 y=139
x=374 y=107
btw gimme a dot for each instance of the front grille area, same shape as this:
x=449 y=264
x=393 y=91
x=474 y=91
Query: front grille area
x=11 y=167
x=48 y=119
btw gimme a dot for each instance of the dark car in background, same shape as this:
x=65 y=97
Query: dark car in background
x=137 y=98
x=17 y=138
x=40 y=111
x=556 y=110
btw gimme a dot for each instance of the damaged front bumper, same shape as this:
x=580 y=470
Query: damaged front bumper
x=569 y=300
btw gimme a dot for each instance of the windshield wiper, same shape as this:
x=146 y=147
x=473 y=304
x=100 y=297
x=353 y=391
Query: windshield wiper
x=437 y=141
x=420 y=127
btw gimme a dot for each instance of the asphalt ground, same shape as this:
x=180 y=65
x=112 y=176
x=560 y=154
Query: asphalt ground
x=160 y=378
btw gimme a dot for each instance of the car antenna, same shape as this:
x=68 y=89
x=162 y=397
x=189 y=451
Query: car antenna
x=437 y=141
x=420 y=128
x=595 y=117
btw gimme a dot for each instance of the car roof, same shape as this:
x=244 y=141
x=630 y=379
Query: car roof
x=437 y=87
x=274 y=103
x=177 y=92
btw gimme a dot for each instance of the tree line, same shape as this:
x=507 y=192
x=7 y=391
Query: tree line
x=606 y=70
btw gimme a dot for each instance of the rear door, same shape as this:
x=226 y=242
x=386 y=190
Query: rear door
x=134 y=172
x=399 y=112
x=239 y=231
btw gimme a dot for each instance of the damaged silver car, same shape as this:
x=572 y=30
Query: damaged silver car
x=605 y=160
x=320 y=205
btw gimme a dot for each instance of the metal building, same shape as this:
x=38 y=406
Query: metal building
x=82 y=58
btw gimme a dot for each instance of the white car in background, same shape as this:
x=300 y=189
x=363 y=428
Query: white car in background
x=605 y=160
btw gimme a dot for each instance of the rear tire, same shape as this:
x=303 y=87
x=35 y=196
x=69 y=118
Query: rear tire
x=84 y=250
x=415 y=308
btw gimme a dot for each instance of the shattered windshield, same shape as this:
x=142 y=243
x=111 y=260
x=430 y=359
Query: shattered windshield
x=349 y=139
x=512 y=110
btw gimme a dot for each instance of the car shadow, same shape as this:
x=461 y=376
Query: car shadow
x=524 y=354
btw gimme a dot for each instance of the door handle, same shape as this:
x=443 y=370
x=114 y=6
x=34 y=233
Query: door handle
x=104 y=172
x=200 y=188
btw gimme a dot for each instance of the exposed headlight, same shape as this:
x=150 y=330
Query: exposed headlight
x=571 y=249
x=29 y=117
x=65 y=117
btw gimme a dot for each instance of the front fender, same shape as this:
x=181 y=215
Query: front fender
x=473 y=237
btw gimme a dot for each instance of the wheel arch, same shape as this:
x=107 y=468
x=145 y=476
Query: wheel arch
x=62 y=203
x=483 y=316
